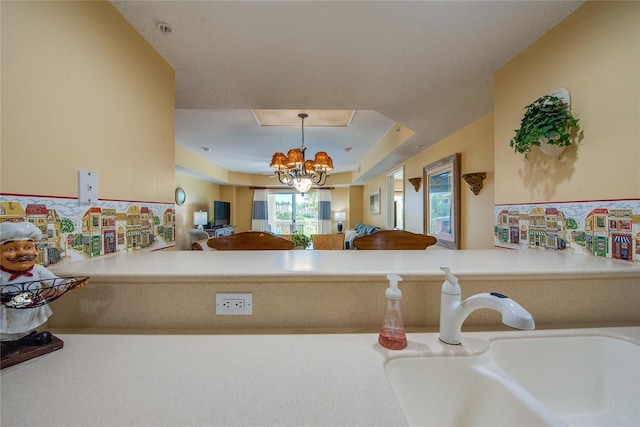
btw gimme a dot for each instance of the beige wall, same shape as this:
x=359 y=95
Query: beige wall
x=379 y=182
x=243 y=209
x=356 y=207
x=200 y=197
x=340 y=203
x=82 y=90
x=595 y=54
x=475 y=144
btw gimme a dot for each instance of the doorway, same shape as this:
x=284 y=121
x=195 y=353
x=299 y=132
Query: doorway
x=395 y=200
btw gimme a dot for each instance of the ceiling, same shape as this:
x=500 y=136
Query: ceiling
x=426 y=65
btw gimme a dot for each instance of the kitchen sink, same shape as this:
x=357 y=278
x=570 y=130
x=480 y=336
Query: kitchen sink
x=536 y=381
x=462 y=391
x=586 y=381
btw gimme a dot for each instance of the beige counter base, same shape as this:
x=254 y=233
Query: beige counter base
x=343 y=290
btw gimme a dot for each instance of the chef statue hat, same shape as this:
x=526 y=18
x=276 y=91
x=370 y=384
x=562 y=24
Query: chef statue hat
x=14 y=231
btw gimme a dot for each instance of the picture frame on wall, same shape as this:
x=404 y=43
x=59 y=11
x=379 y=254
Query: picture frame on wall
x=442 y=201
x=374 y=202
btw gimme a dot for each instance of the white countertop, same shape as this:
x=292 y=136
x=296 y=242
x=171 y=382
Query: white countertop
x=205 y=380
x=167 y=265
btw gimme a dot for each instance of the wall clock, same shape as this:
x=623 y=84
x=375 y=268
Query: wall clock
x=181 y=196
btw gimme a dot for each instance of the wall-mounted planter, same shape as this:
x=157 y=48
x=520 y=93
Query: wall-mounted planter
x=547 y=124
x=551 y=150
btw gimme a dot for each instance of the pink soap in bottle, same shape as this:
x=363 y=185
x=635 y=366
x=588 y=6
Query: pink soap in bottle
x=392 y=335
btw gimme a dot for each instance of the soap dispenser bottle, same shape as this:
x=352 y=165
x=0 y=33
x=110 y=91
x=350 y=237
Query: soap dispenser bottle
x=392 y=335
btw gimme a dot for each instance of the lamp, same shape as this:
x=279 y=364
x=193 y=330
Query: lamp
x=293 y=170
x=340 y=216
x=200 y=219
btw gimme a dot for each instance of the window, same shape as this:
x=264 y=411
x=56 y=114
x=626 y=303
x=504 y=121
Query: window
x=293 y=212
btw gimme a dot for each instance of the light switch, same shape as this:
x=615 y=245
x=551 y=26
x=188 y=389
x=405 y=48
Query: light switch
x=87 y=187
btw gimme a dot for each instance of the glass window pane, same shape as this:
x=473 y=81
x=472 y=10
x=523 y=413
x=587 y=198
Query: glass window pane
x=293 y=212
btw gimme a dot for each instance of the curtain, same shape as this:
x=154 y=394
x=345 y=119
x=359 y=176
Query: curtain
x=260 y=212
x=324 y=211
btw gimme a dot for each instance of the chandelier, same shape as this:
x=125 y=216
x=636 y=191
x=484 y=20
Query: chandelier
x=294 y=171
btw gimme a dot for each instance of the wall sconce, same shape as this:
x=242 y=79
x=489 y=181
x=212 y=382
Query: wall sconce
x=415 y=182
x=474 y=180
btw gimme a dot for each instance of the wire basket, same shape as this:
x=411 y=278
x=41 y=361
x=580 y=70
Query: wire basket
x=36 y=293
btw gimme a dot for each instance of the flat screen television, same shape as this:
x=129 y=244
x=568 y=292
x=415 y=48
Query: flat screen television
x=221 y=213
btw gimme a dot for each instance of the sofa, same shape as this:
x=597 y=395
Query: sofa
x=359 y=230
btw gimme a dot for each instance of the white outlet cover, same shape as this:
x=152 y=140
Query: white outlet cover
x=247 y=302
x=87 y=187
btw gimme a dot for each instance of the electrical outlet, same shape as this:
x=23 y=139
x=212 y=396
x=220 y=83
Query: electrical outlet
x=234 y=304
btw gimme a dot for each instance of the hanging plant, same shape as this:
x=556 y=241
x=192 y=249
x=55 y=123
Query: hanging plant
x=547 y=120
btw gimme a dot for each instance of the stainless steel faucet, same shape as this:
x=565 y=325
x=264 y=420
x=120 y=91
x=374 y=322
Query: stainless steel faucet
x=453 y=311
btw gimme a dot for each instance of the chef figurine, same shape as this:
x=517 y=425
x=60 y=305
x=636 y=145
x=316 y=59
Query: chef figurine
x=18 y=254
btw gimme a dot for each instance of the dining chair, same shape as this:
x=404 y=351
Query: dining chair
x=197 y=235
x=200 y=245
x=327 y=241
x=394 y=239
x=250 y=241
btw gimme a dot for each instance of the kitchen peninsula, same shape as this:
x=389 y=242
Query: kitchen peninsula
x=339 y=290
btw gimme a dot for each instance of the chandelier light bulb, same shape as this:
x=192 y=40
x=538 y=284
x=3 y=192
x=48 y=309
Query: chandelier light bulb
x=302 y=185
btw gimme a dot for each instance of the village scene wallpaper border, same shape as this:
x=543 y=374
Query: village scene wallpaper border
x=75 y=231
x=601 y=228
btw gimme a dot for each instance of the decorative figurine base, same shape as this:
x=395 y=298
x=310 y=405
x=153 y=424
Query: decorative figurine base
x=24 y=353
